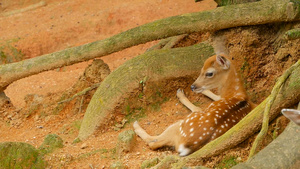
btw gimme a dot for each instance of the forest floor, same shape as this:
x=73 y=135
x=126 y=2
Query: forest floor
x=64 y=24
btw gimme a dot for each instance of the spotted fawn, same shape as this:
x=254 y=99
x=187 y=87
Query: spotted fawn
x=201 y=127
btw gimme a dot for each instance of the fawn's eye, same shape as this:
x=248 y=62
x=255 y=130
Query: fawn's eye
x=209 y=74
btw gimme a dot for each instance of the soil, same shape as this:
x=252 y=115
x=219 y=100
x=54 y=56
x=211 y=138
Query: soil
x=34 y=112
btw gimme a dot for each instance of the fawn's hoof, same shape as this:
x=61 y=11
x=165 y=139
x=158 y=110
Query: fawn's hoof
x=180 y=93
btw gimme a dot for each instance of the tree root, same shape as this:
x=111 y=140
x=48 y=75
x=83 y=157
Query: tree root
x=283 y=152
x=270 y=101
x=167 y=43
x=30 y=7
x=220 y=18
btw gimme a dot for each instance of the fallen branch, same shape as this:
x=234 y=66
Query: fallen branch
x=220 y=18
x=83 y=92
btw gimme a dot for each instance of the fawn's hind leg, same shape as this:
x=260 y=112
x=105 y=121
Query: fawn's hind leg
x=170 y=137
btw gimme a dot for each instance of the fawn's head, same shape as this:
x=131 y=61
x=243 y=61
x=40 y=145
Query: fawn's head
x=213 y=74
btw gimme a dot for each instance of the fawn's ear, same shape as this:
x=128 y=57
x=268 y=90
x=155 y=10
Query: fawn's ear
x=223 y=62
x=292 y=114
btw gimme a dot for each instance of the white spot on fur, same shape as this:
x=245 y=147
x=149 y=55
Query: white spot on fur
x=183 y=151
x=204 y=128
x=192 y=129
x=191 y=123
x=200 y=138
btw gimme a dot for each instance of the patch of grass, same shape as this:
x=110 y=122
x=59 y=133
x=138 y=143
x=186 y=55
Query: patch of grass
x=227 y=162
x=158 y=99
x=76 y=124
x=245 y=65
x=71 y=128
x=9 y=53
x=102 y=151
x=133 y=114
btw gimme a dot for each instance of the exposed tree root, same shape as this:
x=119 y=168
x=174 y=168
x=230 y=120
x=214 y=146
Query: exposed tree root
x=270 y=101
x=30 y=7
x=220 y=18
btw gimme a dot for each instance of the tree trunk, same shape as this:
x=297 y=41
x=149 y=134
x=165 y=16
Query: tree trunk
x=284 y=152
x=220 y=18
x=153 y=65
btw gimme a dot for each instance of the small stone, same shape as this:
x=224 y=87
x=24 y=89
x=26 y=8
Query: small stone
x=83 y=146
x=126 y=141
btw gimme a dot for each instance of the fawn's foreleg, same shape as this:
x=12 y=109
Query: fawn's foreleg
x=185 y=101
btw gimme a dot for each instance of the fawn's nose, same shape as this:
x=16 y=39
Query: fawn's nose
x=193 y=87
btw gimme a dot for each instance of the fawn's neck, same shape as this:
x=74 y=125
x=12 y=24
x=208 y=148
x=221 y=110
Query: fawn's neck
x=233 y=87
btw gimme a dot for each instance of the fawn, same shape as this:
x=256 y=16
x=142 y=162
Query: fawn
x=201 y=127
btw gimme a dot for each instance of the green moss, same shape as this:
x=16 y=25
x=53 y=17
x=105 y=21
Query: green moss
x=126 y=141
x=227 y=162
x=293 y=34
x=51 y=142
x=9 y=53
x=76 y=140
x=150 y=163
x=19 y=155
x=101 y=151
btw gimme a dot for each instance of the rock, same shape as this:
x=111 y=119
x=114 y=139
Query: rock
x=126 y=141
x=20 y=155
x=83 y=146
x=150 y=163
x=51 y=142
